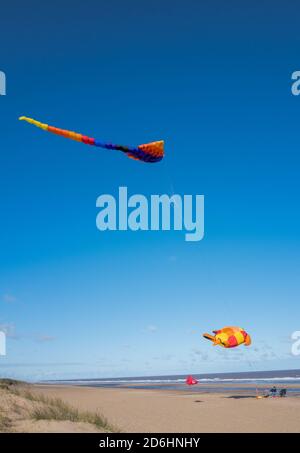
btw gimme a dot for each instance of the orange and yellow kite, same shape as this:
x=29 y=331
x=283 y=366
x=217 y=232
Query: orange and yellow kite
x=229 y=337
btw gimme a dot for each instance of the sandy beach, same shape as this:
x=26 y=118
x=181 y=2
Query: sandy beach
x=134 y=410
x=70 y=409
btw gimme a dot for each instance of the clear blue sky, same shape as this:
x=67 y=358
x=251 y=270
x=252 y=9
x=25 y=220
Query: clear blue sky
x=213 y=81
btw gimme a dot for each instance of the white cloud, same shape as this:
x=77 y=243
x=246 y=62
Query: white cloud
x=9 y=330
x=164 y=357
x=44 y=338
x=151 y=328
x=8 y=298
x=172 y=258
x=200 y=354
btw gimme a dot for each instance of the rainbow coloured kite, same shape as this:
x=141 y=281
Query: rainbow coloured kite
x=149 y=152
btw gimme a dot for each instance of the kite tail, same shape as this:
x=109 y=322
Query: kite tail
x=149 y=152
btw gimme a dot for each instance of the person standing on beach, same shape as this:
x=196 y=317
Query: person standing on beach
x=273 y=391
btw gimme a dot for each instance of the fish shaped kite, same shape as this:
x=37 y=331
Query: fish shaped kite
x=229 y=337
x=190 y=380
x=149 y=152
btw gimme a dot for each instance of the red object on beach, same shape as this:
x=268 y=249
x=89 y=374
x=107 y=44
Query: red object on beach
x=190 y=380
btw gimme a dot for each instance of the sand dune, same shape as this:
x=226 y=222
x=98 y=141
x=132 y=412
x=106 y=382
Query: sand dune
x=22 y=411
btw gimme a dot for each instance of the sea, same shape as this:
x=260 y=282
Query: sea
x=213 y=383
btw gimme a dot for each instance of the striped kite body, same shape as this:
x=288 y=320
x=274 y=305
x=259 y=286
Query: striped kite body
x=149 y=152
x=229 y=337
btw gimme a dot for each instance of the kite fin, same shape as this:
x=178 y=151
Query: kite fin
x=154 y=148
x=247 y=340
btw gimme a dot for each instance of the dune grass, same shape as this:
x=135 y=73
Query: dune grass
x=60 y=411
x=57 y=409
x=6 y=384
x=5 y=423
